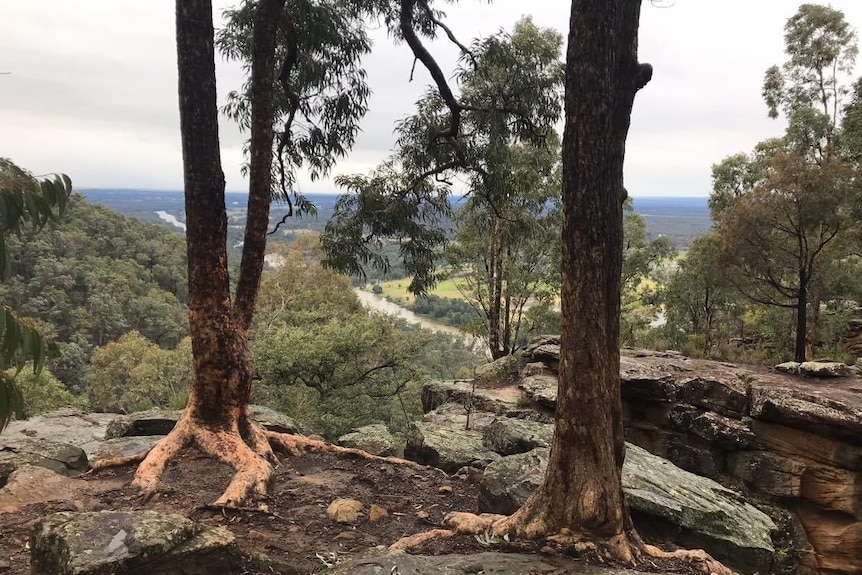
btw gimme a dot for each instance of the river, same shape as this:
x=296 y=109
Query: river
x=380 y=304
x=171 y=219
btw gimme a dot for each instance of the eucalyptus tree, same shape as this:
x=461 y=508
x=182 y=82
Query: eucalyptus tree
x=781 y=210
x=26 y=205
x=508 y=101
x=506 y=245
x=304 y=75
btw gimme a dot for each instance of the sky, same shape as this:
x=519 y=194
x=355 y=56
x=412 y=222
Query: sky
x=88 y=88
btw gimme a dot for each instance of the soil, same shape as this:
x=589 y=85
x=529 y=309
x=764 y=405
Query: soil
x=295 y=532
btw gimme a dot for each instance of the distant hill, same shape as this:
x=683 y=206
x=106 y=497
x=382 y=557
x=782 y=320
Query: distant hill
x=678 y=218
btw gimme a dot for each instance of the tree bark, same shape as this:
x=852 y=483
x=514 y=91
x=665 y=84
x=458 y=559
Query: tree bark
x=801 y=318
x=216 y=418
x=582 y=489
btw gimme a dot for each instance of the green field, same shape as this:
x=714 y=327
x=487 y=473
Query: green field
x=396 y=290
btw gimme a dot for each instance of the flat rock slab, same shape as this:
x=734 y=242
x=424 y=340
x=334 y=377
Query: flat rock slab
x=126 y=446
x=713 y=516
x=61 y=458
x=162 y=421
x=133 y=542
x=485 y=563
x=30 y=484
x=375 y=439
x=75 y=427
x=448 y=449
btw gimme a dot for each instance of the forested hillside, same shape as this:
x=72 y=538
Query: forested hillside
x=112 y=292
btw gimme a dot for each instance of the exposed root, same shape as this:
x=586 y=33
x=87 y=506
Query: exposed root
x=296 y=445
x=119 y=461
x=697 y=557
x=252 y=471
x=417 y=539
x=471 y=523
x=626 y=548
x=151 y=468
x=224 y=509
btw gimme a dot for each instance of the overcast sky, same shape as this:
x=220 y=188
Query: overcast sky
x=91 y=89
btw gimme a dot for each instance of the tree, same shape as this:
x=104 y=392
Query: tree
x=781 y=210
x=216 y=418
x=697 y=293
x=506 y=254
x=26 y=204
x=641 y=258
x=582 y=488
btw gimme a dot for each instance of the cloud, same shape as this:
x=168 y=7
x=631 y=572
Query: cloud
x=93 y=88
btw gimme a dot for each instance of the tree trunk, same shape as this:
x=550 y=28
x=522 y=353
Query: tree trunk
x=495 y=284
x=216 y=418
x=801 y=319
x=582 y=489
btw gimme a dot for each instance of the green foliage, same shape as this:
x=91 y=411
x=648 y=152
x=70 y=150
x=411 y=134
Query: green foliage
x=134 y=374
x=643 y=261
x=93 y=276
x=42 y=392
x=448 y=311
x=509 y=96
x=325 y=360
x=784 y=212
x=322 y=92
x=26 y=204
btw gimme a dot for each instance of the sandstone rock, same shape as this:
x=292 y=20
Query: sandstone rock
x=99 y=543
x=437 y=393
x=150 y=422
x=836 y=538
x=825 y=369
x=273 y=420
x=714 y=429
x=67 y=424
x=454 y=416
x=788 y=367
x=124 y=446
x=343 y=510
x=537 y=368
x=508 y=436
x=477 y=563
x=162 y=421
x=445 y=448
x=830 y=416
x=377 y=513
x=709 y=514
x=502 y=371
x=545 y=350
x=374 y=439
x=61 y=458
x=541 y=390
x=30 y=484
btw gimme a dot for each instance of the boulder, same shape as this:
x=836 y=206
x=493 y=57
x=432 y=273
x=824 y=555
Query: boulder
x=836 y=416
x=150 y=422
x=826 y=369
x=162 y=421
x=464 y=393
x=445 y=448
x=61 y=458
x=374 y=439
x=541 y=390
x=708 y=514
x=125 y=446
x=788 y=367
x=75 y=427
x=502 y=371
x=273 y=420
x=508 y=436
x=99 y=543
x=30 y=484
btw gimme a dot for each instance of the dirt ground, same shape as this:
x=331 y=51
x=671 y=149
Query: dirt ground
x=296 y=533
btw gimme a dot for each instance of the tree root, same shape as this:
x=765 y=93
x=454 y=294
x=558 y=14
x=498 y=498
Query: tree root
x=626 y=548
x=296 y=445
x=244 y=447
x=119 y=461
